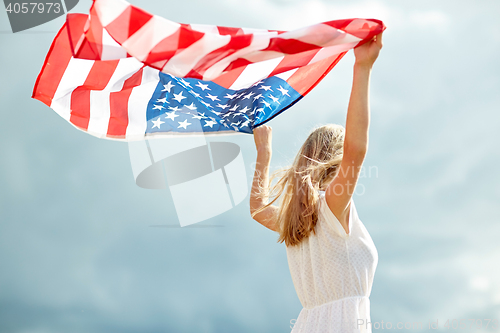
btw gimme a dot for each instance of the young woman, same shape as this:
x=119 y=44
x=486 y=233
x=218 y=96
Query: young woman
x=331 y=256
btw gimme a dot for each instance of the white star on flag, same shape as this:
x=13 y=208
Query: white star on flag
x=178 y=97
x=266 y=88
x=187 y=84
x=257 y=83
x=213 y=98
x=171 y=115
x=283 y=91
x=223 y=107
x=168 y=86
x=157 y=123
x=203 y=86
x=206 y=104
x=275 y=99
x=210 y=123
x=199 y=116
x=248 y=96
x=257 y=97
x=184 y=124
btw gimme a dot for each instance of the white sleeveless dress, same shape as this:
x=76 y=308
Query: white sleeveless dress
x=333 y=272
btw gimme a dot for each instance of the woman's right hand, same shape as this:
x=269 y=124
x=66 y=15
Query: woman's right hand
x=263 y=138
x=367 y=53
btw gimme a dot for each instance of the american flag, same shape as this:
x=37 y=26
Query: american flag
x=122 y=73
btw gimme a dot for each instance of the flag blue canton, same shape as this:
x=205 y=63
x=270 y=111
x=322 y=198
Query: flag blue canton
x=192 y=105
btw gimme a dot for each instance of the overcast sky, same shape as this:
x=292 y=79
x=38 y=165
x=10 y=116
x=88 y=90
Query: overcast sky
x=80 y=246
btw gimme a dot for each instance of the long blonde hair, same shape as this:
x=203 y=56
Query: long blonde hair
x=315 y=165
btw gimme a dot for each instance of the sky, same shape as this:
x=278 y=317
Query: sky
x=84 y=249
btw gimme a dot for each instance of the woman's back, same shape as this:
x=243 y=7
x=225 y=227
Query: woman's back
x=333 y=272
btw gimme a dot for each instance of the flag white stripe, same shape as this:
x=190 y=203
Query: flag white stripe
x=111 y=49
x=255 y=72
x=99 y=113
x=62 y=106
x=286 y=75
x=74 y=76
x=319 y=34
x=206 y=28
x=258 y=42
x=125 y=69
x=343 y=39
x=331 y=51
x=138 y=103
x=263 y=56
x=256 y=31
x=100 y=110
x=109 y=10
x=145 y=39
x=184 y=61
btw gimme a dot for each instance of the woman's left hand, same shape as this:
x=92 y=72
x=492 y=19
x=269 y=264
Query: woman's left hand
x=263 y=138
x=367 y=53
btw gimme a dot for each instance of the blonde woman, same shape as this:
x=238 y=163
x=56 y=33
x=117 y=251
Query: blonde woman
x=331 y=256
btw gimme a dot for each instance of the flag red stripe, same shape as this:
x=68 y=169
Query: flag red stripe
x=94 y=34
x=171 y=45
x=289 y=46
x=97 y=79
x=359 y=28
x=127 y=23
x=235 y=44
x=118 y=120
x=307 y=77
x=227 y=79
x=292 y=61
x=238 y=63
x=81 y=46
x=53 y=68
x=80 y=107
x=75 y=24
x=230 y=31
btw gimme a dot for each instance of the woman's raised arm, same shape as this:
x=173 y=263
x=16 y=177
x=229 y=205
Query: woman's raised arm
x=339 y=192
